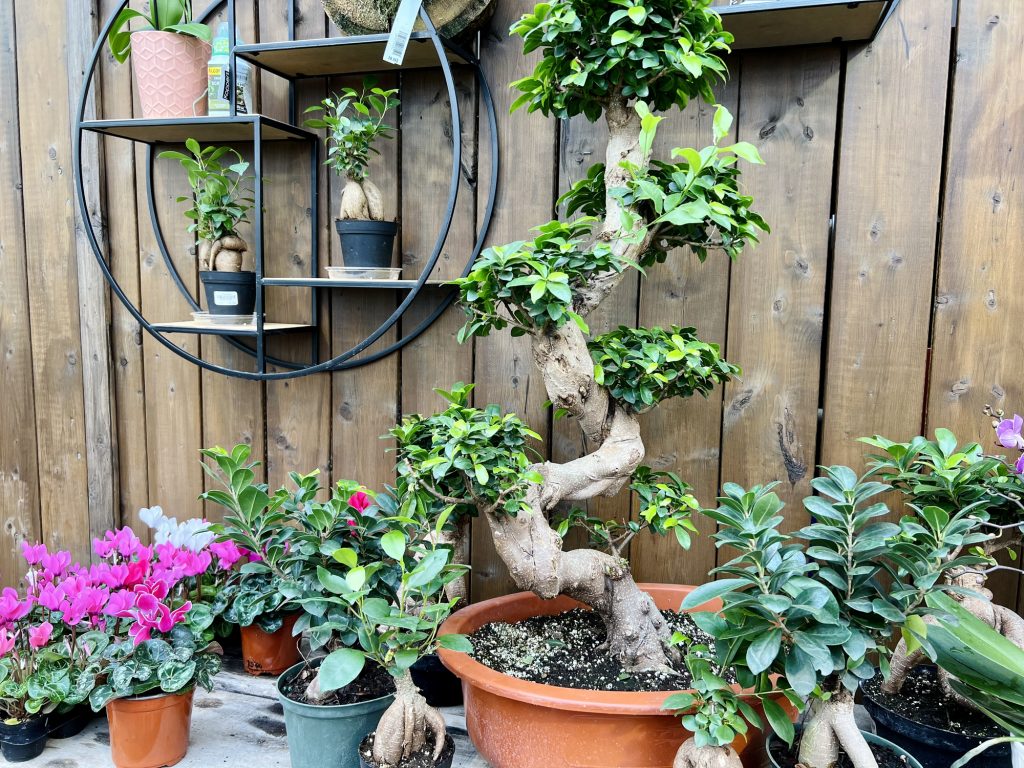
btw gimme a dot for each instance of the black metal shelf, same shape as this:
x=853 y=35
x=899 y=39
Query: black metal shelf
x=242 y=128
x=326 y=282
x=326 y=57
x=777 y=23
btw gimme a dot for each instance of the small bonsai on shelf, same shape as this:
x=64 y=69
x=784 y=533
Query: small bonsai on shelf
x=354 y=120
x=811 y=607
x=220 y=202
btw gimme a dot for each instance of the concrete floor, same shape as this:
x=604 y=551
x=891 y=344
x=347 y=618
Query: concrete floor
x=238 y=725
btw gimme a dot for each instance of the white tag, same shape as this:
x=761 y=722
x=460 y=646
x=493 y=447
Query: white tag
x=398 y=40
x=225 y=298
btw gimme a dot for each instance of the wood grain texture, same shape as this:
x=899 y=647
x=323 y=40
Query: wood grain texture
x=684 y=436
x=884 y=258
x=788 y=105
x=978 y=301
x=53 y=280
x=19 y=479
x=123 y=255
x=504 y=370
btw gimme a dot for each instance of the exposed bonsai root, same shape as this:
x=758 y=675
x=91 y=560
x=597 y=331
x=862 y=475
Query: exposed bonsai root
x=374 y=200
x=831 y=725
x=353 y=202
x=223 y=255
x=692 y=756
x=403 y=727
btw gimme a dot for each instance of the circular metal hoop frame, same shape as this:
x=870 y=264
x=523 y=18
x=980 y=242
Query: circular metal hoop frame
x=347 y=359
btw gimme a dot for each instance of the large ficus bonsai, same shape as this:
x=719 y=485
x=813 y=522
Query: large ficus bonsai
x=623 y=60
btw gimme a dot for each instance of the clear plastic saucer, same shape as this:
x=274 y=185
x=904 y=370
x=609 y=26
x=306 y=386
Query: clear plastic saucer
x=214 y=319
x=364 y=273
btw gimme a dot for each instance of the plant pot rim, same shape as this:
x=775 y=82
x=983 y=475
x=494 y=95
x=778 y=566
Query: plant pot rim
x=871 y=738
x=158 y=695
x=325 y=711
x=523 y=604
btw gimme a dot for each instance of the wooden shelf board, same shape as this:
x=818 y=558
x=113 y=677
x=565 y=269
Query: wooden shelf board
x=216 y=329
x=776 y=23
x=202 y=129
x=325 y=282
x=340 y=55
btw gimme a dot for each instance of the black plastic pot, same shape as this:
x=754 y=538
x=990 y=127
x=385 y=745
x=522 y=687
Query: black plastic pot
x=23 y=741
x=933 y=747
x=367 y=243
x=439 y=686
x=229 y=293
x=445 y=761
x=65 y=725
x=872 y=740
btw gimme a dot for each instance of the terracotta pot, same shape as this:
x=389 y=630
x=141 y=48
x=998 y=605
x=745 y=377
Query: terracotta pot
x=519 y=724
x=270 y=653
x=170 y=73
x=151 y=731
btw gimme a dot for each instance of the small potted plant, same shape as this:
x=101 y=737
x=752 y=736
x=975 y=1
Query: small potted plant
x=354 y=120
x=157 y=648
x=304 y=545
x=169 y=56
x=219 y=204
x=811 y=608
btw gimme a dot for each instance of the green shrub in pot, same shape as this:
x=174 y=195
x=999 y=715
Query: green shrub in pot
x=811 y=607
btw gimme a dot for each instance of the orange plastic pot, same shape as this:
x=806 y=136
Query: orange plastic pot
x=151 y=731
x=520 y=724
x=270 y=653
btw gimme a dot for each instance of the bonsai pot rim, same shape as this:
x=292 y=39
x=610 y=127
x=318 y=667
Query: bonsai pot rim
x=472 y=617
x=872 y=739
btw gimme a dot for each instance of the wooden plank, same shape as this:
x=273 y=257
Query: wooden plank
x=123 y=257
x=435 y=359
x=365 y=399
x=298 y=410
x=884 y=260
x=231 y=408
x=684 y=436
x=581 y=145
x=976 y=340
x=505 y=372
x=788 y=105
x=52 y=281
x=19 y=478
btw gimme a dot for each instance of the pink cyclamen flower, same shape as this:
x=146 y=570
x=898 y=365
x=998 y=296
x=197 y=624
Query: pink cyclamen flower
x=1008 y=432
x=120 y=603
x=40 y=636
x=6 y=642
x=56 y=564
x=12 y=607
x=359 y=501
x=33 y=554
x=227 y=553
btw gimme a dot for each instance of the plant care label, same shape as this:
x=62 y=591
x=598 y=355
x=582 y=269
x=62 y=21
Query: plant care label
x=225 y=298
x=398 y=40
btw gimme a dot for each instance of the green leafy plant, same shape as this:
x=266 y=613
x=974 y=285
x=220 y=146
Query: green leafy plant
x=161 y=16
x=987 y=668
x=220 y=202
x=813 y=607
x=354 y=120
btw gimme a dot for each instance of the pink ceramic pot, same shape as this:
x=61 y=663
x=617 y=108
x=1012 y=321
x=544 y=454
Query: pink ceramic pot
x=170 y=73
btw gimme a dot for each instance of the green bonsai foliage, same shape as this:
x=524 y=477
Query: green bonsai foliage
x=354 y=120
x=641 y=367
x=663 y=52
x=814 y=607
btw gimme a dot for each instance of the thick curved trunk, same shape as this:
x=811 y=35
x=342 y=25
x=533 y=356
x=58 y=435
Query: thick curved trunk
x=831 y=726
x=692 y=756
x=403 y=728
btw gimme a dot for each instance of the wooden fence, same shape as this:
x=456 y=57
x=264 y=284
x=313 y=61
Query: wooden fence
x=884 y=301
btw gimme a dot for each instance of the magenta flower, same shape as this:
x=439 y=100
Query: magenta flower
x=120 y=603
x=33 y=554
x=6 y=642
x=40 y=636
x=1008 y=432
x=12 y=607
x=227 y=553
x=359 y=501
x=56 y=564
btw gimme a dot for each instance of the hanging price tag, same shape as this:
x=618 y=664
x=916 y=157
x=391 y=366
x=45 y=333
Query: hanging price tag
x=398 y=40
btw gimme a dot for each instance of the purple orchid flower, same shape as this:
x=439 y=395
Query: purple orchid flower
x=1008 y=432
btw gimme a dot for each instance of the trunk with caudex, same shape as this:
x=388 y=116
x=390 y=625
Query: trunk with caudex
x=402 y=730
x=526 y=543
x=831 y=725
x=361 y=199
x=1001 y=619
x=692 y=756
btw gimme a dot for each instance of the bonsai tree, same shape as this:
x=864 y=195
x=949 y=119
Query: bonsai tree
x=623 y=62
x=354 y=120
x=961 y=483
x=812 y=607
x=160 y=16
x=219 y=203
